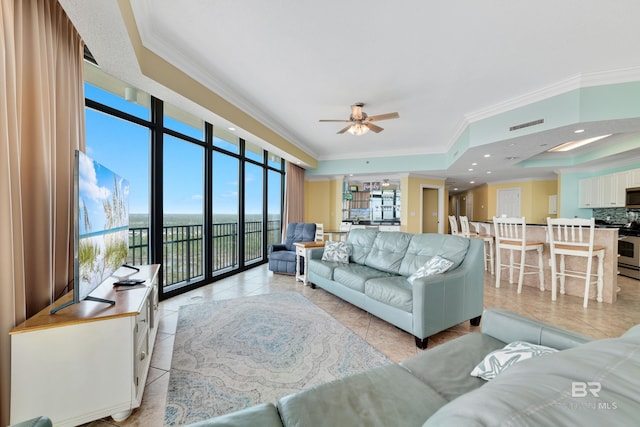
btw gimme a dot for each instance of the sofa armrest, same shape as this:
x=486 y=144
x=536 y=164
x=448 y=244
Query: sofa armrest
x=444 y=300
x=508 y=327
x=263 y=414
x=277 y=247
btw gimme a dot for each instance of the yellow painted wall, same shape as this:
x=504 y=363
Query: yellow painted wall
x=323 y=203
x=534 y=198
x=410 y=212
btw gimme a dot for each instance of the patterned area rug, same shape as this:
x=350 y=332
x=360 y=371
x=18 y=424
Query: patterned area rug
x=232 y=354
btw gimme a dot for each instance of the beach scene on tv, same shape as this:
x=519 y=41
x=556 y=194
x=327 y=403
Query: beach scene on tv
x=103 y=223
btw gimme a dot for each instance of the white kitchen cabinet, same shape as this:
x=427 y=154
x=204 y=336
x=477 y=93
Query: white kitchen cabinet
x=634 y=178
x=587 y=193
x=605 y=191
x=89 y=360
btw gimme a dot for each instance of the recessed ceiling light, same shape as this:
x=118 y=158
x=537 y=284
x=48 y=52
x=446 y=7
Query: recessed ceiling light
x=470 y=169
x=474 y=164
x=472 y=182
x=487 y=155
x=572 y=145
x=455 y=189
x=488 y=171
x=578 y=131
x=231 y=128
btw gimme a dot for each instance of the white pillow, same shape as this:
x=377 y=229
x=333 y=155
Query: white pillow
x=336 y=252
x=499 y=360
x=435 y=265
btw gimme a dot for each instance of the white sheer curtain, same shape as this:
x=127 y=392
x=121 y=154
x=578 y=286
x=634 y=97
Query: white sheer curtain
x=293 y=196
x=41 y=124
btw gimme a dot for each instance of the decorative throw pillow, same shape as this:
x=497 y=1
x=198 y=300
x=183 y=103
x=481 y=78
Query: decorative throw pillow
x=435 y=265
x=499 y=360
x=336 y=252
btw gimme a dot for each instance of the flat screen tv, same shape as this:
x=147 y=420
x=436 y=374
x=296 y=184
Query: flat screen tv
x=101 y=226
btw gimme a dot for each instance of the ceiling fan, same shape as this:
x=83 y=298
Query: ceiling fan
x=361 y=123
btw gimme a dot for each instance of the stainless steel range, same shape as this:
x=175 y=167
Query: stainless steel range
x=629 y=252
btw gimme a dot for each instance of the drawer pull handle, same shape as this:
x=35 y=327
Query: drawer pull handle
x=143 y=355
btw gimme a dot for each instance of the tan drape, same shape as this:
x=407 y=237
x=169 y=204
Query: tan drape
x=293 y=196
x=41 y=124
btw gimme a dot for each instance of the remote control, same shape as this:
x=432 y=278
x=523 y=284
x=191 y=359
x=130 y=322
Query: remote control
x=129 y=282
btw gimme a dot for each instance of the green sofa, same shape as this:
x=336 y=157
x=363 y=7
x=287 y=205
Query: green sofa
x=375 y=279
x=585 y=383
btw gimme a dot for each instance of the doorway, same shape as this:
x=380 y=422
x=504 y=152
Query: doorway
x=432 y=208
x=508 y=202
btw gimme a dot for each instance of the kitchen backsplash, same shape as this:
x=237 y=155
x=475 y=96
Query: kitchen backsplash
x=616 y=215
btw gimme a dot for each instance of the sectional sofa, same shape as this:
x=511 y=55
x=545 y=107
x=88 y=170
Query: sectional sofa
x=585 y=383
x=379 y=264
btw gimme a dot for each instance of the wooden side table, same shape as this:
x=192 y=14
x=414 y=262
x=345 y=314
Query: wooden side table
x=302 y=249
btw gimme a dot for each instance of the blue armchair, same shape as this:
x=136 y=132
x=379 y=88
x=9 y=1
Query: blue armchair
x=282 y=256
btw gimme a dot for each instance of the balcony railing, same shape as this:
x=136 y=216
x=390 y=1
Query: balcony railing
x=182 y=254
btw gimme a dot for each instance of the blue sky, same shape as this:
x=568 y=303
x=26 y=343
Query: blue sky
x=124 y=148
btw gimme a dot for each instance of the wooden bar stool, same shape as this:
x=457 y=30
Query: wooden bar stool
x=510 y=234
x=488 y=241
x=574 y=237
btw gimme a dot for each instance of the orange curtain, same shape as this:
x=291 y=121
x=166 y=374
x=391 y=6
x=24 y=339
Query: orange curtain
x=41 y=124
x=293 y=196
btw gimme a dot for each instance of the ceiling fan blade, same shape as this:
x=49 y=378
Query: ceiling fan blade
x=376 y=129
x=384 y=117
x=344 y=130
x=345 y=121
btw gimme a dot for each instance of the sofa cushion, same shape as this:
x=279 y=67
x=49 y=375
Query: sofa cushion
x=387 y=396
x=394 y=291
x=361 y=241
x=323 y=268
x=456 y=358
x=388 y=250
x=287 y=256
x=424 y=246
x=337 y=252
x=354 y=276
x=498 y=360
x=597 y=383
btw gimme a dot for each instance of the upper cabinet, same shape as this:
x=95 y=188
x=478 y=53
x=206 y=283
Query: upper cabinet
x=605 y=191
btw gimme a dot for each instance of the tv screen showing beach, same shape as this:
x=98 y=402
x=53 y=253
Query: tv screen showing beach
x=103 y=224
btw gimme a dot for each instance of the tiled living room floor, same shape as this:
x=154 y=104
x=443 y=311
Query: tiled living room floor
x=599 y=320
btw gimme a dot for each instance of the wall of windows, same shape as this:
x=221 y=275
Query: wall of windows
x=204 y=203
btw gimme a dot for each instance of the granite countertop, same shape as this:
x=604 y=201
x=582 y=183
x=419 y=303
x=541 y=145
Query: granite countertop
x=381 y=222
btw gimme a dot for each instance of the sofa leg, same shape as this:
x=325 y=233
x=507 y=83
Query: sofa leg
x=313 y=285
x=421 y=343
x=475 y=321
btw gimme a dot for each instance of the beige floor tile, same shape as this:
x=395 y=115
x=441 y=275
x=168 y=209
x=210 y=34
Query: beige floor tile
x=599 y=320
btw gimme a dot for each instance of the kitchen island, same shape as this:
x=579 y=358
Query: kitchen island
x=606 y=237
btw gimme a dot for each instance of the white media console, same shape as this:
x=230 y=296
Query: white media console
x=89 y=360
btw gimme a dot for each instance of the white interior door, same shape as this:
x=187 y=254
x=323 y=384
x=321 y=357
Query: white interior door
x=508 y=203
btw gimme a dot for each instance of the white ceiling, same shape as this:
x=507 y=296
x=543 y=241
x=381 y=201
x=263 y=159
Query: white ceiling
x=440 y=65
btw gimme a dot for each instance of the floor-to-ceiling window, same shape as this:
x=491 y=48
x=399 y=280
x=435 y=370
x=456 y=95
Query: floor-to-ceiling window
x=275 y=185
x=225 y=203
x=119 y=140
x=254 y=172
x=204 y=203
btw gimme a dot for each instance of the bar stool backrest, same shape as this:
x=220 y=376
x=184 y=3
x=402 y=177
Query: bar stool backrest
x=464 y=226
x=454 y=224
x=510 y=230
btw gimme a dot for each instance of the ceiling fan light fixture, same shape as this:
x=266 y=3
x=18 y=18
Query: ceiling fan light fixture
x=358 y=129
